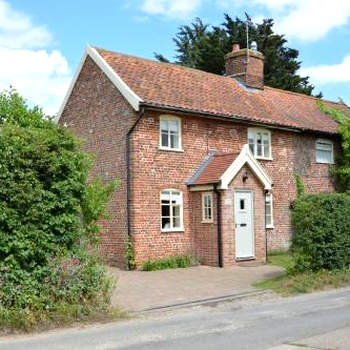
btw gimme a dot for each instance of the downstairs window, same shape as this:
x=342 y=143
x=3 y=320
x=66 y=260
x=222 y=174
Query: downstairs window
x=171 y=202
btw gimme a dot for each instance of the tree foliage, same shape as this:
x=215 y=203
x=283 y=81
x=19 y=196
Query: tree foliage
x=203 y=47
x=15 y=111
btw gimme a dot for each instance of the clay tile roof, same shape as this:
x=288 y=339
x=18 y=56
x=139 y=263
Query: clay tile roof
x=212 y=168
x=172 y=86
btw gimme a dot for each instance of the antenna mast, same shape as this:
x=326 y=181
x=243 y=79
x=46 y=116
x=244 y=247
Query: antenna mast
x=247 y=22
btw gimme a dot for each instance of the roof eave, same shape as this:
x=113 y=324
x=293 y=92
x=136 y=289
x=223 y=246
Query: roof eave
x=229 y=117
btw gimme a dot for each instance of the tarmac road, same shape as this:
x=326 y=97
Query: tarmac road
x=313 y=321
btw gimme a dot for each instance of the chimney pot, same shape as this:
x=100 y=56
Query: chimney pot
x=235 y=47
x=249 y=70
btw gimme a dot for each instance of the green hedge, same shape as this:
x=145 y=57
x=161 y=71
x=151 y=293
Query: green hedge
x=321 y=231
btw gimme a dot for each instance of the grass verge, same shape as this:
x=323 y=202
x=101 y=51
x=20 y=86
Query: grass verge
x=169 y=263
x=292 y=284
x=22 y=321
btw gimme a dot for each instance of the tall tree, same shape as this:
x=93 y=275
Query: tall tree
x=203 y=47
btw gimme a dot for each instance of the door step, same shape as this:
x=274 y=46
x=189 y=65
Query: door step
x=247 y=258
x=250 y=263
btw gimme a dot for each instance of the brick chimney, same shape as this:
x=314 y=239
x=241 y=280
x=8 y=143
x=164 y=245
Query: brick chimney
x=250 y=73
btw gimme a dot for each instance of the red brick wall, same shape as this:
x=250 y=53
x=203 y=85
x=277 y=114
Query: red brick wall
x=99 y=114
x=154 y=169
x=205 y=234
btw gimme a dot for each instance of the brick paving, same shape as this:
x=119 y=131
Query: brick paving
x=140 y=290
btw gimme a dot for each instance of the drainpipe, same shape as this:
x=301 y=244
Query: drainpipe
x=128 y=173
x=266 y=230
x=218 y=219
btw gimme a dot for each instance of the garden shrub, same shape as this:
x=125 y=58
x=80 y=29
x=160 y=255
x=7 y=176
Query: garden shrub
x=42 y=183
x=48 y=215
x=321 y=231
x=73 y=279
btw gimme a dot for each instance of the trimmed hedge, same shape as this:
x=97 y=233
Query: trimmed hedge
x=321 y=231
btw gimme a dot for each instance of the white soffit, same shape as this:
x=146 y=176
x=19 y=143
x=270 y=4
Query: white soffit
x=123 y=88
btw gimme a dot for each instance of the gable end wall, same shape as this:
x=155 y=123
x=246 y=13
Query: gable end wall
x=100 y=115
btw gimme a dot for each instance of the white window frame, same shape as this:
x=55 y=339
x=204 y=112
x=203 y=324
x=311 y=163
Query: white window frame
x=269 y=195
x=260 y=130
x=168 y=148
x=206 y=220
x=172 y=229
x=328 y=142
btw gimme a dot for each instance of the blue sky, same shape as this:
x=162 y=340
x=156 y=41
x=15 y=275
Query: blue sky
x=41 y=42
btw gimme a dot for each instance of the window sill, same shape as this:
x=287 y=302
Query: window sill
x=325 y=163
x=175 y=230
x=263 y=158
x=207 y=221
x=171 y=149
x=269 y=226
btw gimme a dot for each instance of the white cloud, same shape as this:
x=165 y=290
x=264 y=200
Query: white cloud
x=17 y=30
x=324 y=74
x=171 y=8
x=311 y=20
x=41 y=76
x=308 y=20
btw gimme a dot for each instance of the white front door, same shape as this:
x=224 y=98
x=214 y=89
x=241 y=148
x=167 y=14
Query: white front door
x=244 y=224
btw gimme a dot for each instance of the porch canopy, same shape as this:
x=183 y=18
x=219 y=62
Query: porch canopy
x=220 y=169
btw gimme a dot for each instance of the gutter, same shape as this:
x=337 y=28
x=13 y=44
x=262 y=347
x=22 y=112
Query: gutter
x=128 y=171
x=218 y=225
x=233 y=118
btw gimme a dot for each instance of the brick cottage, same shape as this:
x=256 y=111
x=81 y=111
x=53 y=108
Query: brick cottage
x=207 y=163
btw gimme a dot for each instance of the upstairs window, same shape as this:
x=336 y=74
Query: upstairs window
x=324 y=151
x=207 y=207
x=171 y=210
x=170 y=133
x=259 y=141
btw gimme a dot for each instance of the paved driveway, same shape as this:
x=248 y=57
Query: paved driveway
x=141 y=290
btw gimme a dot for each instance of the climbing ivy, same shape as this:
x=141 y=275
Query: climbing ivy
x=342 y=169
x=300 y=185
